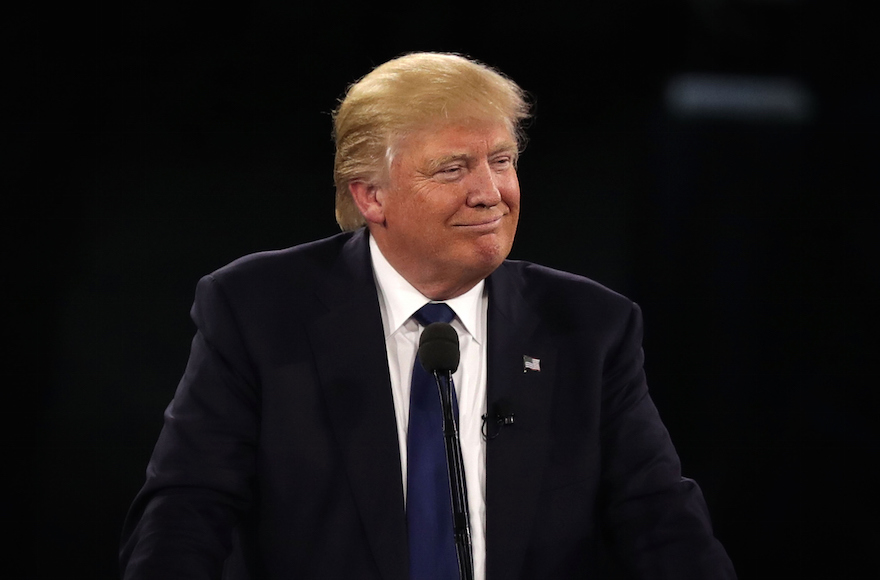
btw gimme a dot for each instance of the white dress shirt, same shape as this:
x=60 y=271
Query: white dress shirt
x=398 y=301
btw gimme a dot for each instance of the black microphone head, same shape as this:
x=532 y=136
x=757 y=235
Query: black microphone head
x=438 y=348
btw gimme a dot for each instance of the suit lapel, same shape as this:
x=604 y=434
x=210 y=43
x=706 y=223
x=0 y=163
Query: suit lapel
x=517 y=457
x=352 y=365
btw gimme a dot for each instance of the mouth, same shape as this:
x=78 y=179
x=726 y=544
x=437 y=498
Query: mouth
x=485 y=224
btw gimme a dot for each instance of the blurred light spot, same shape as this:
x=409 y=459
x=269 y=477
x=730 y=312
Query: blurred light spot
x=739 y=98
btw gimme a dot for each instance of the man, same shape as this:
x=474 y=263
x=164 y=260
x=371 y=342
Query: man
x=285 y=451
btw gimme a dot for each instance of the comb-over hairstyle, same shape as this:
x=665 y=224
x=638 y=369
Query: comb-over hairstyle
x=405 y=94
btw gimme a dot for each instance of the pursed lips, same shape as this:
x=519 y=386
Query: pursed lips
x=484 y=222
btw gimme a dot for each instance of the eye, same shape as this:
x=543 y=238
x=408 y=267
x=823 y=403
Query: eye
x=503 y=162
x=450 y=172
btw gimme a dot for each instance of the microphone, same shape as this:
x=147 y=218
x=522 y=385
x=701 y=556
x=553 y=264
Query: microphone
x=438 y=348
x=439 y=354
x=502 y=414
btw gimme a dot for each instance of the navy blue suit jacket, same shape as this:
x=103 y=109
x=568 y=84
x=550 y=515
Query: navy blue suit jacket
x=279 y=454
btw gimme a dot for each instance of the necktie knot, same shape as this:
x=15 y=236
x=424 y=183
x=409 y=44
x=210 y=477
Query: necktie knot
x=434 y=312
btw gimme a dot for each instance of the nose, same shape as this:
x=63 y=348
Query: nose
x=483 y=189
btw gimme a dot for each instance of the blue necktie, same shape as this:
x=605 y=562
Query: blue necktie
x=428 y=503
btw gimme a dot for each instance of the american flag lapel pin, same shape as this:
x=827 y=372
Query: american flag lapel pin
x=531 y=364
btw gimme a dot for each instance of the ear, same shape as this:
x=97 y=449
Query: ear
x=369 y=199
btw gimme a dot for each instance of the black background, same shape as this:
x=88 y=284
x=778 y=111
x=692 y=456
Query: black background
x=155 y=142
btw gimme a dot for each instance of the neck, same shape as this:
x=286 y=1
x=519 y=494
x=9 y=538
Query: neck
x=433 y=283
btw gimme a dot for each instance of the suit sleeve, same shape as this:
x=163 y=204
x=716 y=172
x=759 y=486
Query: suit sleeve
x=656 y=522
x=199 y=479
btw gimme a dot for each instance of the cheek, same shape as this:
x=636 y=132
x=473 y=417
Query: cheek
x=404 y=210
x=442 y=206
x=512 y=199
x=512 y=202
x=509 y=189
x=426 y=206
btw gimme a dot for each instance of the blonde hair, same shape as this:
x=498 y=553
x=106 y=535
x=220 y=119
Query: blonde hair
x=405 y=94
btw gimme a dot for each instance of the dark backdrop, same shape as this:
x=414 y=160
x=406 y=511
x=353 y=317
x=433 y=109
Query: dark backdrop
x=155 y=142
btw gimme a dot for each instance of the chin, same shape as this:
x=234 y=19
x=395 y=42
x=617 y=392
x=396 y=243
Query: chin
x=486 y=258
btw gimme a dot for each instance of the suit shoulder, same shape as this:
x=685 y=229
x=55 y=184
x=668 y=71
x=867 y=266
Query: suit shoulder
x=568 y=300
x=301 y=262
x=542 y=280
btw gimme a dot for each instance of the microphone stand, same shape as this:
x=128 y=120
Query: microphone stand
x=457 y=486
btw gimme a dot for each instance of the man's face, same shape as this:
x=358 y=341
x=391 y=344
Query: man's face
x=450 y=206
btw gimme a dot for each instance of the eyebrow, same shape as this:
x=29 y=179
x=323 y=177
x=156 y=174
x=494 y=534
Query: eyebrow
x=504 y=147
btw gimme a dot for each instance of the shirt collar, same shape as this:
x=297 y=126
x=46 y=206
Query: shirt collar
x=401 y=300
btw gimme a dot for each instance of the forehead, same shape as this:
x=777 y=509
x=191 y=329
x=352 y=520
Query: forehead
x=469 y=137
